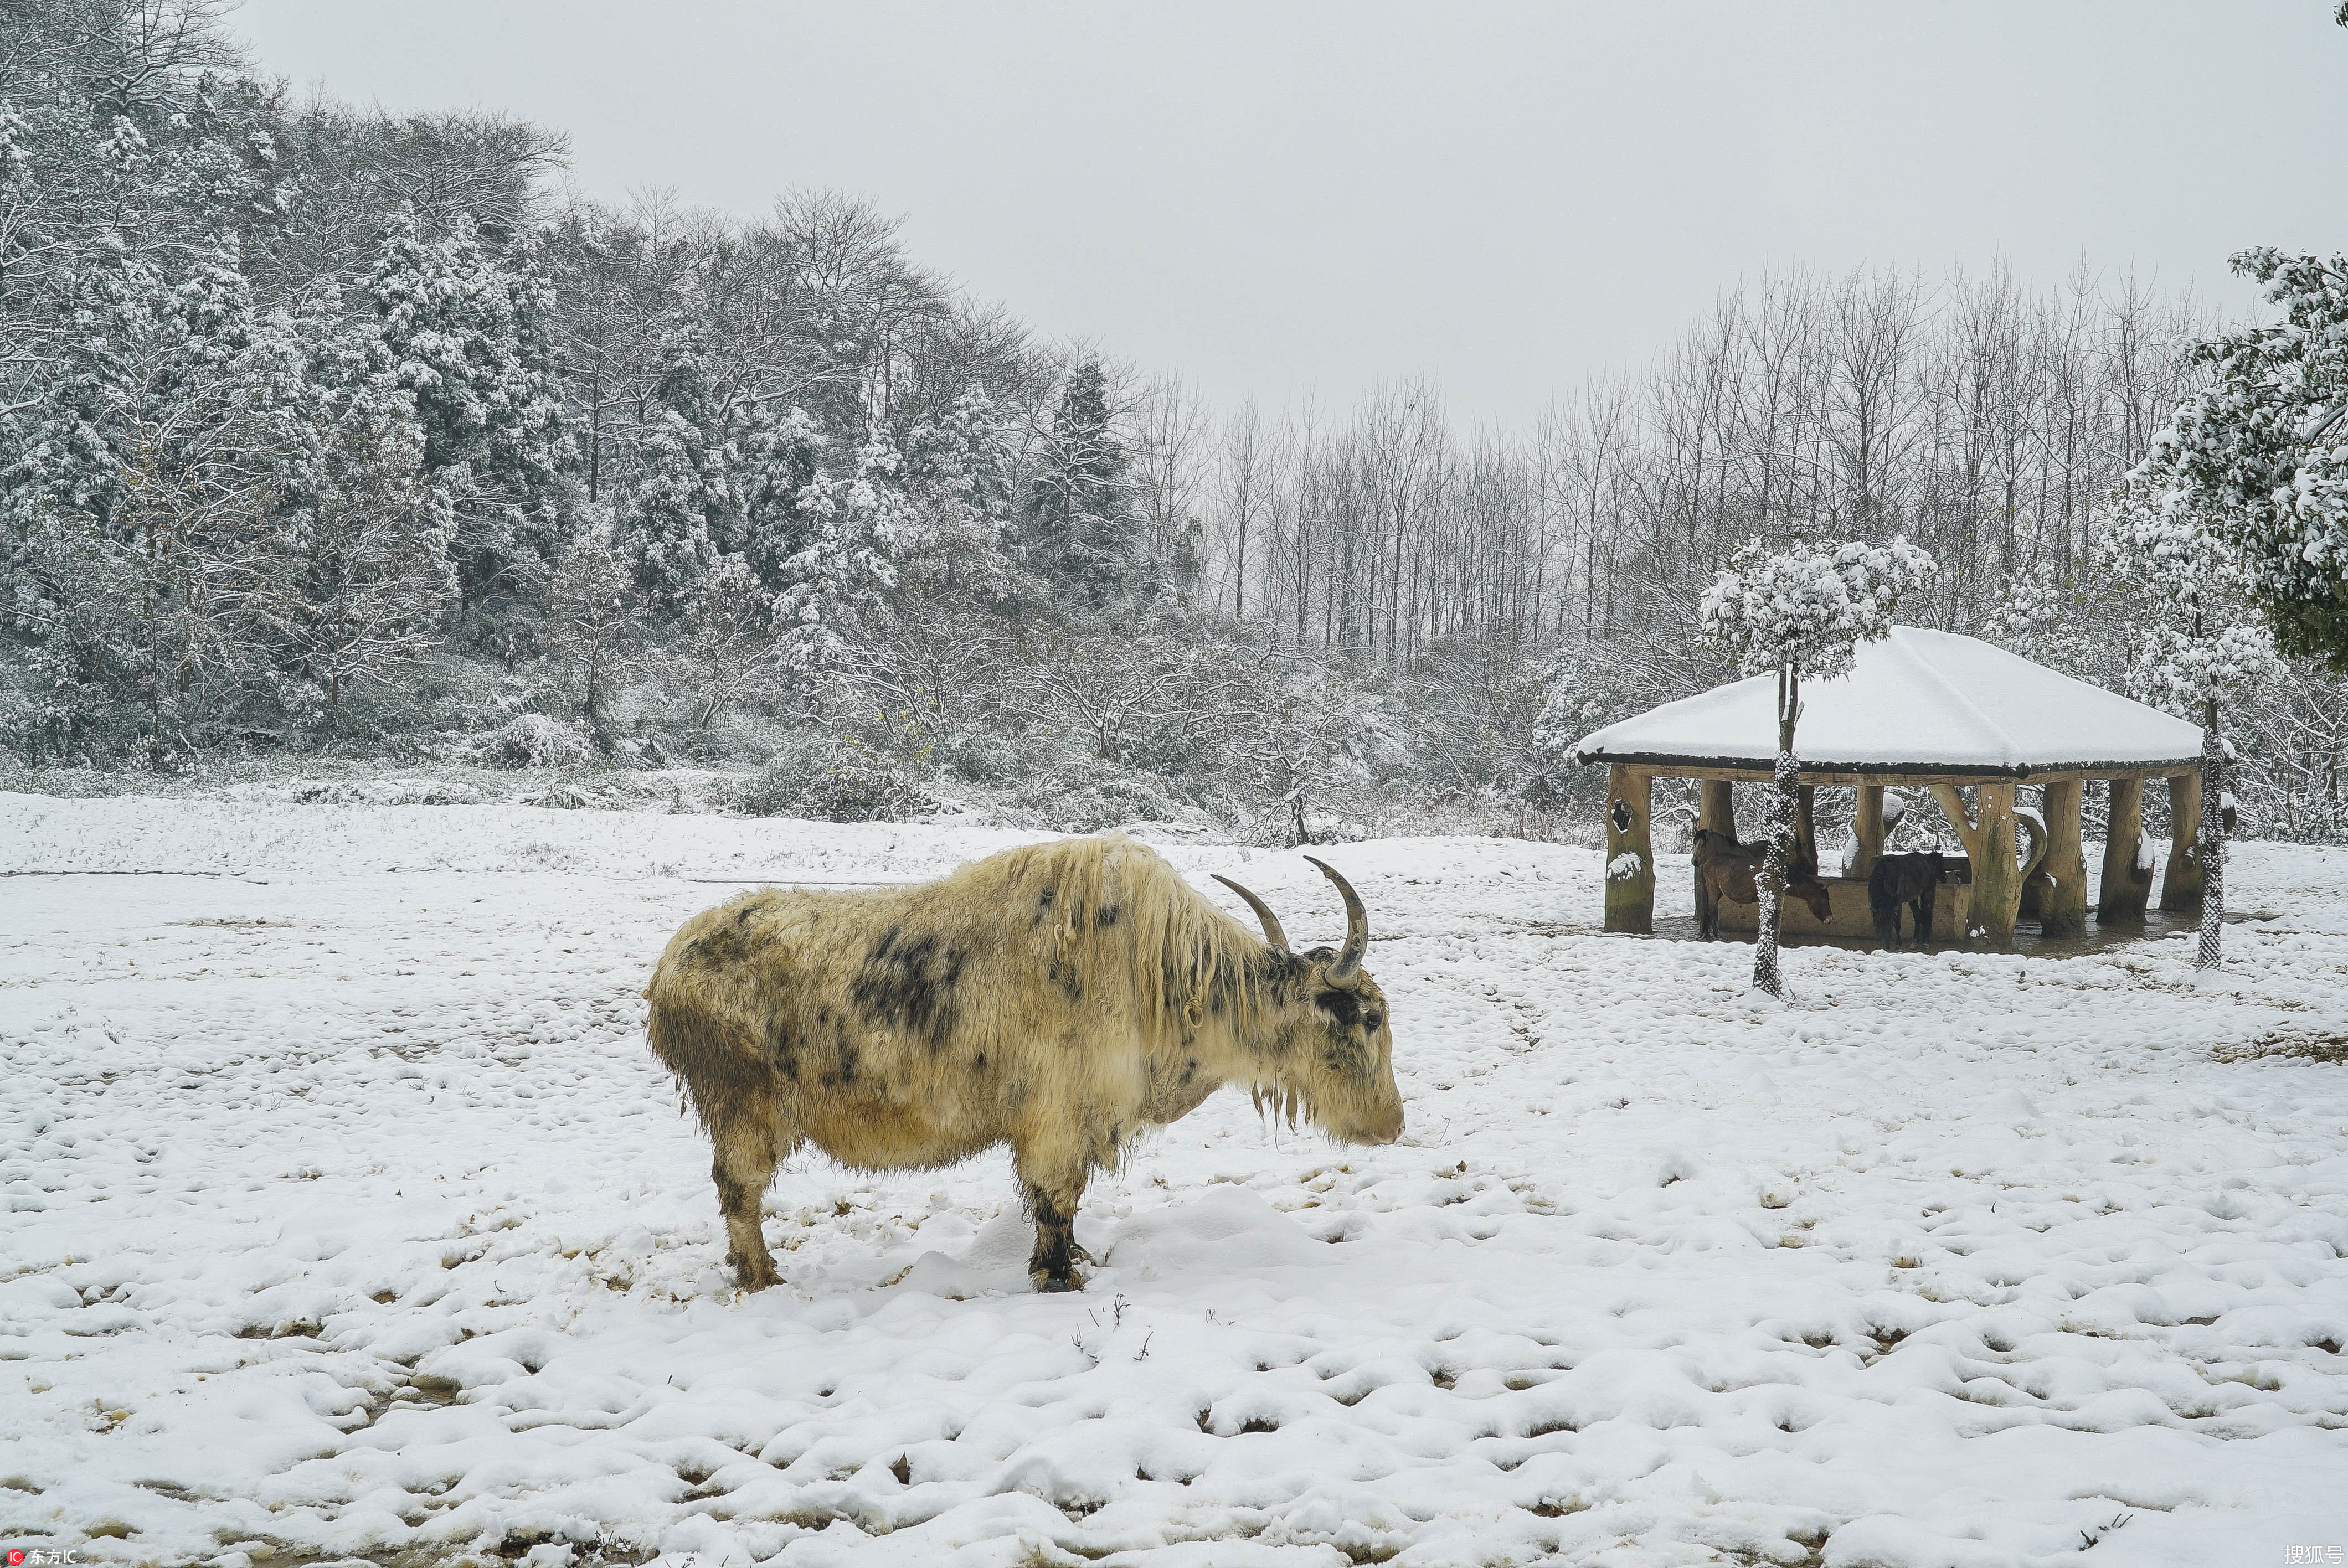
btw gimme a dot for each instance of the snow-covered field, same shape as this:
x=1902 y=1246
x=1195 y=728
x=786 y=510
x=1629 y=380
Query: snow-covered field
x=1964 y=1259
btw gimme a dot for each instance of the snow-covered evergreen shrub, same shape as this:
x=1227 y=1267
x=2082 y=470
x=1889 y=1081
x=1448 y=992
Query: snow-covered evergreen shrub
x=860 y=781
x=983 y=755
x=1087 y=796
x=536 y=741
x=867 y=773
x=776 y=788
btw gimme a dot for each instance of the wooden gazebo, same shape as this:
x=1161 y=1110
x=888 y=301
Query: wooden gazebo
x=1938 y=712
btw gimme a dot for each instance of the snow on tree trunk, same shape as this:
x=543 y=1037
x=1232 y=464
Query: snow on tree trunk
x=1783 y=812
x=2212 y=839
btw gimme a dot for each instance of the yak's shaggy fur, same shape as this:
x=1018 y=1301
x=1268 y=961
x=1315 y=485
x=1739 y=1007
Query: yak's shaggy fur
x=1060 y=998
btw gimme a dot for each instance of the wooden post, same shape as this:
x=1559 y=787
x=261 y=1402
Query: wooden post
x=1867 y=827
x=1997 y=878
x=1630 y=854
x=1716 y=806
x=2125 y=884
x=1716 y=809
x=1988 y=845
x=2180 y=887
x=2064 y=911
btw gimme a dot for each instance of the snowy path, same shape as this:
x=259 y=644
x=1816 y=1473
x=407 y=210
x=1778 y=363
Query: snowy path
x=1966 y=1260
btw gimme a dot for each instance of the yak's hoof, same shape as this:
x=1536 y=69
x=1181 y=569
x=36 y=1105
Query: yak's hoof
x=756 y=1277
x=1058 y=1285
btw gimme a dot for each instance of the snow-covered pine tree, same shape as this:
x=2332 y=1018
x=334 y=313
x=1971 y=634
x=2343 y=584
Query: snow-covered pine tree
x=136 y=489
x=956 y=474
x=2261 y=452
x=836 y=585
x=2195 y=645
x=1802 y=611
x=352 y=577
x=680 y=516
x=1081 y=532
x=780 y=458
x=469 y=337
x=596 y=618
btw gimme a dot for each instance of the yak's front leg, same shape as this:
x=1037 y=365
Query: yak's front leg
x=1052 y=1188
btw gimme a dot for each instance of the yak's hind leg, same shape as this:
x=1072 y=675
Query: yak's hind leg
x=1052 y=1187
x=748 y=1145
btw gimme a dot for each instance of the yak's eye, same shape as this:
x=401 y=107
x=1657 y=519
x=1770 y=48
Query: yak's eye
x=1370 y=1020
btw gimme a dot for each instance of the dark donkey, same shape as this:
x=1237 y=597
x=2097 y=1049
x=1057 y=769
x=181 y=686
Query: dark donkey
x=1727 y=869
x=1909 y=879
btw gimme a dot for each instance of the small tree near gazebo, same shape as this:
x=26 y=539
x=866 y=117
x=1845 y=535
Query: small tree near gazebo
x=2257 y=460
x=1803 y=610
x=2199 y=647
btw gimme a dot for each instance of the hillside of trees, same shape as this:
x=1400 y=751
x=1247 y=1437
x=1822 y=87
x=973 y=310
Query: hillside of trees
x=332 y=434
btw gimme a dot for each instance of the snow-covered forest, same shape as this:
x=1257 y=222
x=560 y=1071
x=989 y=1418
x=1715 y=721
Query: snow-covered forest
x=328 y=433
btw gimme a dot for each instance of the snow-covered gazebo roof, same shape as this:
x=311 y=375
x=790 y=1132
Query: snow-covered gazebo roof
x=1917 y=702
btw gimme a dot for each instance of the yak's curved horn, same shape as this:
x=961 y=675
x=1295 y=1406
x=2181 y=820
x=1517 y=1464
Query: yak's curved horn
x=1272 y=931
x=1357 y=925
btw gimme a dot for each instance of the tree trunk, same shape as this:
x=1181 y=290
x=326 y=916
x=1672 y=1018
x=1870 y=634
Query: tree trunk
x=1715 y=810
x=2180 y=882
x=2212 y=840
x=2064 y=912
x=1784 y=815
x=1629 y=852
x=1988 y=835
x=1867 y=827
x=2126 y=886
x=1997 y=877
x=1805 y=828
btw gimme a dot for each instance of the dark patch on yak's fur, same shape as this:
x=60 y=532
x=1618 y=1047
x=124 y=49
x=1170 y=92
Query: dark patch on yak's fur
x=721 y=947
x=910 y=987
x=1107 y=918
x=1343 y=1006
x=847 y=1073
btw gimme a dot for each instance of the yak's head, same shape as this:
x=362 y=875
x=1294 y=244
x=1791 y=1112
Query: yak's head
x=1334 y=1058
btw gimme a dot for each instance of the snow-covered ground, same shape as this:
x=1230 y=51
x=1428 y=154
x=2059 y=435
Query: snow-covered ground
x=1964 y=1259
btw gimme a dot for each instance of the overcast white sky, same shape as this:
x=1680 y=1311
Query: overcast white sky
x=1291 y=197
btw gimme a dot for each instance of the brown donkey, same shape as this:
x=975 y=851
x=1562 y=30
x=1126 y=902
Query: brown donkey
x=1727 y=869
